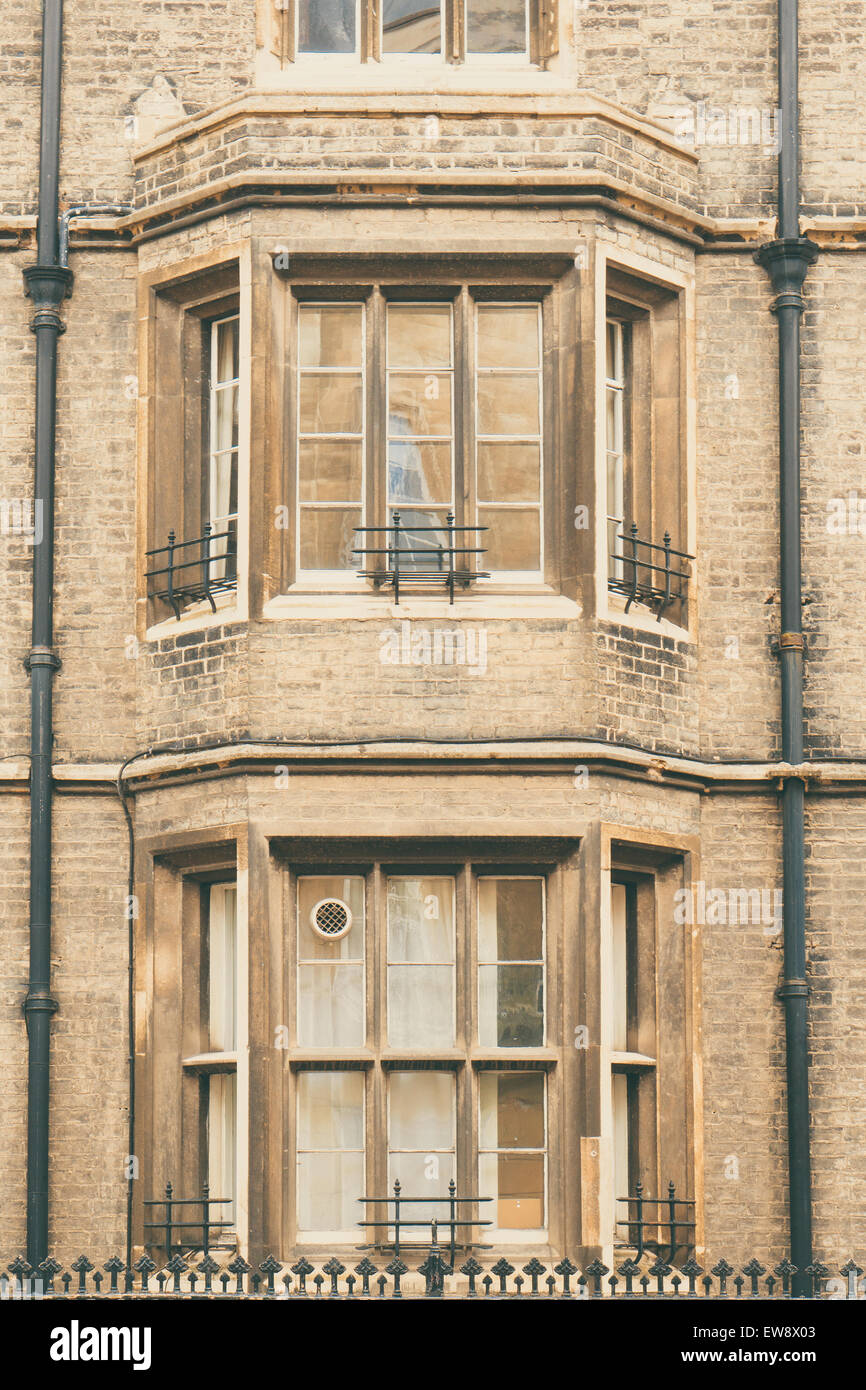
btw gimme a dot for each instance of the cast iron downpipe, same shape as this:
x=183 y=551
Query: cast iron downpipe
x=47 y=283
x=787 y=260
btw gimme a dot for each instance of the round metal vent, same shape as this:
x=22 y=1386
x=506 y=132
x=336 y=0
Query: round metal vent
x=331 y=918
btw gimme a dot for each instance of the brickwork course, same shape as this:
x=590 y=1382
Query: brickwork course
x=358 y=169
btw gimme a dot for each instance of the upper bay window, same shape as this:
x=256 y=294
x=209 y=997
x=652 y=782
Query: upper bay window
x=453 y=30
x=413 y=412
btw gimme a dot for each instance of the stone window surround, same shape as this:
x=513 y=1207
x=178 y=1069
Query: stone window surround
x=171 y=1018
x=569 y=587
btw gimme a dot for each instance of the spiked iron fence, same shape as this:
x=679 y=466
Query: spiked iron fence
x=433 y=1278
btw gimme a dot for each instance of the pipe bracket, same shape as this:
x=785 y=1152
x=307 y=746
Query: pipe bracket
x=792 y=641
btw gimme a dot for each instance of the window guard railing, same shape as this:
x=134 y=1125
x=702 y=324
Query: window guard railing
x=665 y=1222
x=437 y=560
x=636 y=577
x=170 y=1224
x=181 y=581
x=399 y=1222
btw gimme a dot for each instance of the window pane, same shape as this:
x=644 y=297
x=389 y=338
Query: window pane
x=222 y=1142
x=422 y=535
x=331 y=1110
x=619 y=1084
x=419 y=335
x=330 y=470
x=513 y=540
x=420 y=1006
x=330 y=335
x=510 y=919
x=222 y=969
x=330 y=1150
x=619 y=1041
x=326 y=26
x=496 y=26
x=313 y=890
x=329 y=1185
x=512 y=1119
x=330 y=1005
x=421 y=1110
x=331 y=403
x=411 y=26
x=508 y=403
x=328 y=538
x=509 y=472
x=511 y=1005
x=419 y=403
x=421 y=919
x=508 y=335
x=418 y=473
x=224 y=489
x=517 y=1182
x=227 y=364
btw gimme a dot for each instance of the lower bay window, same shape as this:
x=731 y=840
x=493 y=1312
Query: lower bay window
x=424 y=994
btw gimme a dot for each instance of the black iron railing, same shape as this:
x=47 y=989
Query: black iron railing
x=191 y=1235
x=648 y=573
x=400 y=1221
x=194 y=570
x=333 y=1279
x=655 y=1224
x=407 y=556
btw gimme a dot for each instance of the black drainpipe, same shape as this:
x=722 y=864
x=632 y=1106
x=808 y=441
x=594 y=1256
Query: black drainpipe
x=787 y=260
x=47 y=283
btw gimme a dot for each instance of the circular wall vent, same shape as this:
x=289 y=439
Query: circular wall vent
x=331 y=918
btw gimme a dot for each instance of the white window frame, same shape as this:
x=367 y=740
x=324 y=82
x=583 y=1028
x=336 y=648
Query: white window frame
x=615 y=390
x=357 y=926
x=337 y=1237
x=513 y=878
x=323 y=576
x=221 y=522
x=516 y=577
x=222 y=1104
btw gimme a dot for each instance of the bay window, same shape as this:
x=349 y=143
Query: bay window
x=454 y=30
x=414 y=411
x=407 y=1072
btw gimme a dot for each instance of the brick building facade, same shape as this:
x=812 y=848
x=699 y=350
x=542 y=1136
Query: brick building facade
x=518 y=285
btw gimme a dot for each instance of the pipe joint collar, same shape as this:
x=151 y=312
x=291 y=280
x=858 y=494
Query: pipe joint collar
x=40 y=1001
x=42 y=656
x=793 y=989
x=791 y=641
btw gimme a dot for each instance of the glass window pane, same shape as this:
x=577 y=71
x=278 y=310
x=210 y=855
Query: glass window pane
x=421 y=920
x=612 y=351
x=520 y=1191
x=511 y=1005
x=222 y=969
x=510 y=919
x=328 y=538
x=411 y=26
x=327 y=26
x=418 y=473
x=224 y=404
x=419 y=335
x=331 y=1110
x=496 y=26
x=421 y=1105
x=228 y=336
x=311 y=891
x=509 y=472
x=512 y=1110
x=420 y=1006
x=222 y=1141
x=224 y=488
x=331 y=335
x=331 y=403
x=619 y=1040
x=508 y=403
x=508 y=335
x=330 y=1005
x=421 y=1175
x=422 y=535
x=330 y=470
x=419 y=403
x=513 y=539
x=329 y=1185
